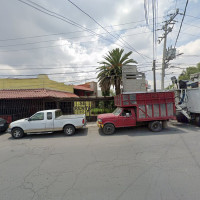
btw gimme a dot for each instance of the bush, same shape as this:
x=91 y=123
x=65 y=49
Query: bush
x=101 y=110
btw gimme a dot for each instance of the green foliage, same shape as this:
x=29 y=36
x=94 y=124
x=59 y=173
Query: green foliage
x=103 y=107
x=185 y=75
x=110 y=71
x=170 y=87
x=101 y=110
x=106 y=93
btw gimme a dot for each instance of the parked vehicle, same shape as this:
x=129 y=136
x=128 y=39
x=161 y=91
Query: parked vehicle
x=47 y=121
x=3 y=125
x=187 y=104
x=134 y=109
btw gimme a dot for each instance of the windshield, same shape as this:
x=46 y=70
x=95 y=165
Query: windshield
x=117 y=111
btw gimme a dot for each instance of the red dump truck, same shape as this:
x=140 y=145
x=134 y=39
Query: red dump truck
x=134 y=109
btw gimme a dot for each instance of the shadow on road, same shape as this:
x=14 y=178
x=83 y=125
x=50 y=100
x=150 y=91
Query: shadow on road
x=173 y=128
x=79 y=133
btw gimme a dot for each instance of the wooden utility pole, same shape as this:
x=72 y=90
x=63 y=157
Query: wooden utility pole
x=154 y=75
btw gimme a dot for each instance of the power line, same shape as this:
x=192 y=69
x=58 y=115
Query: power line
x=53 y=14
x=49 y=74
x=58 y=16
x=105 y=28
x=29 y=43
x=181 y=22
x=58 y=68
x=47 y=35
x=78 y=65
x=192 y=16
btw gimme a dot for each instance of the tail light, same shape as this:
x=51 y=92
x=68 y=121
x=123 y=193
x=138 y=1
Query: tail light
x=83 y=122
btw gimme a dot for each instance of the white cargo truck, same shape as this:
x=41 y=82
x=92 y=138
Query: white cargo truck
x=187 y=101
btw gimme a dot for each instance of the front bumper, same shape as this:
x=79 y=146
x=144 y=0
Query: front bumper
x=99 y=125
x=8 y=130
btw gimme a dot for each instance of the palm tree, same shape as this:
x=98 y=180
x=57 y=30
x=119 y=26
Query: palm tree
x=110 y=71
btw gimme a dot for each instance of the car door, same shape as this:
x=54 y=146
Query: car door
x=36 y=123
x=127 y=118
x=49 y=122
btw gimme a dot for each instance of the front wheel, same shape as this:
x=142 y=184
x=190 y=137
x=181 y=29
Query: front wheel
x=108 y=129
x=155 y=126
x=17 y=133
x=69 y=130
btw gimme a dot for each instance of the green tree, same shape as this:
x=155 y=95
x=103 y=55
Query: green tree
x=185 y=75
x=110 y=71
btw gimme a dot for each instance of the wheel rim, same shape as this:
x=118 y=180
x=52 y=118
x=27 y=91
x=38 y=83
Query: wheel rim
x=155 y=126
x=108 y=129
x=69 y=131
x=17 y=133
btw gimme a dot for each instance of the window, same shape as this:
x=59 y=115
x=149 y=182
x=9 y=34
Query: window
x=58 y=113
x=37 y=116
x=49 y=115
x=117 y=111
x=126 y=111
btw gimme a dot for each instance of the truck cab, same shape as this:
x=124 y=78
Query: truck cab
x=121 y=117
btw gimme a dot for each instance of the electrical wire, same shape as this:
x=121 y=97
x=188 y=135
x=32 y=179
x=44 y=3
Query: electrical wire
x=49 y=74
x=181 y=23
x=22 y=44
x=47 y=35
x=58 y=16
x=106 y=29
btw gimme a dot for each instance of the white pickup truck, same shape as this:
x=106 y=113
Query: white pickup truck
x=47 y=121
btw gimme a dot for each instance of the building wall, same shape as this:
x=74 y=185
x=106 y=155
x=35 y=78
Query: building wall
x=92 y=85
x=132 y=80
x=42 y=81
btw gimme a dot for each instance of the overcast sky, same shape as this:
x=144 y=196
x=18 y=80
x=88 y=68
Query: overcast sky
x=32 y=42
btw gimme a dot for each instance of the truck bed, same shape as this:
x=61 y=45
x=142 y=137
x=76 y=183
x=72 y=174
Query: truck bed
x=150 y=105
x=70 y=117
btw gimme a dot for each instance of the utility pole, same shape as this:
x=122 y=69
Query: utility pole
x=164 y=55
x=154 y=75
x=167 y=53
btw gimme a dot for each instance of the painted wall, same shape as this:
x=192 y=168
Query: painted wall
x=42 y=81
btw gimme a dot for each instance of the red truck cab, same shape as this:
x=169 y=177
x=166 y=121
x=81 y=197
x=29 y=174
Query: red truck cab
x=135 y=109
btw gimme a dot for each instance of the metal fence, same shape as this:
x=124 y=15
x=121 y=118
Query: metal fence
x=22 y=108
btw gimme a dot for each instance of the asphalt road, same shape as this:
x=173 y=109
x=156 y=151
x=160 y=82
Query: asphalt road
x=133 y=164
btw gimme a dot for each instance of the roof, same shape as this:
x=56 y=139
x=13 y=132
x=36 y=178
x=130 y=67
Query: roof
x=80 y=87
x=34 y=93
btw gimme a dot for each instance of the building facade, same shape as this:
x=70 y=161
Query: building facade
x=132 y=80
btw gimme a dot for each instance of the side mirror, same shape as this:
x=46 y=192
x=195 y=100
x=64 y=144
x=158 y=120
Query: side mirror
x=29 y=119
x=127 y=114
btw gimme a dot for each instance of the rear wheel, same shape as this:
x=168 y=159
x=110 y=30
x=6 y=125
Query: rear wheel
x=197 y=120
x=109 y=129
x=17 y=133
x=155 y=126
x=69 y=130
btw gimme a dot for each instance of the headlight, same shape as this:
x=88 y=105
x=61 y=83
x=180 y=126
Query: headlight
x=99 y=120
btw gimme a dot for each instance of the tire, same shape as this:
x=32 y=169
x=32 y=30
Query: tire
x=155 y=126
x=17 y=133
x=181 y=118
x=69 y=130
x=109 y=129
x=197 y=120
